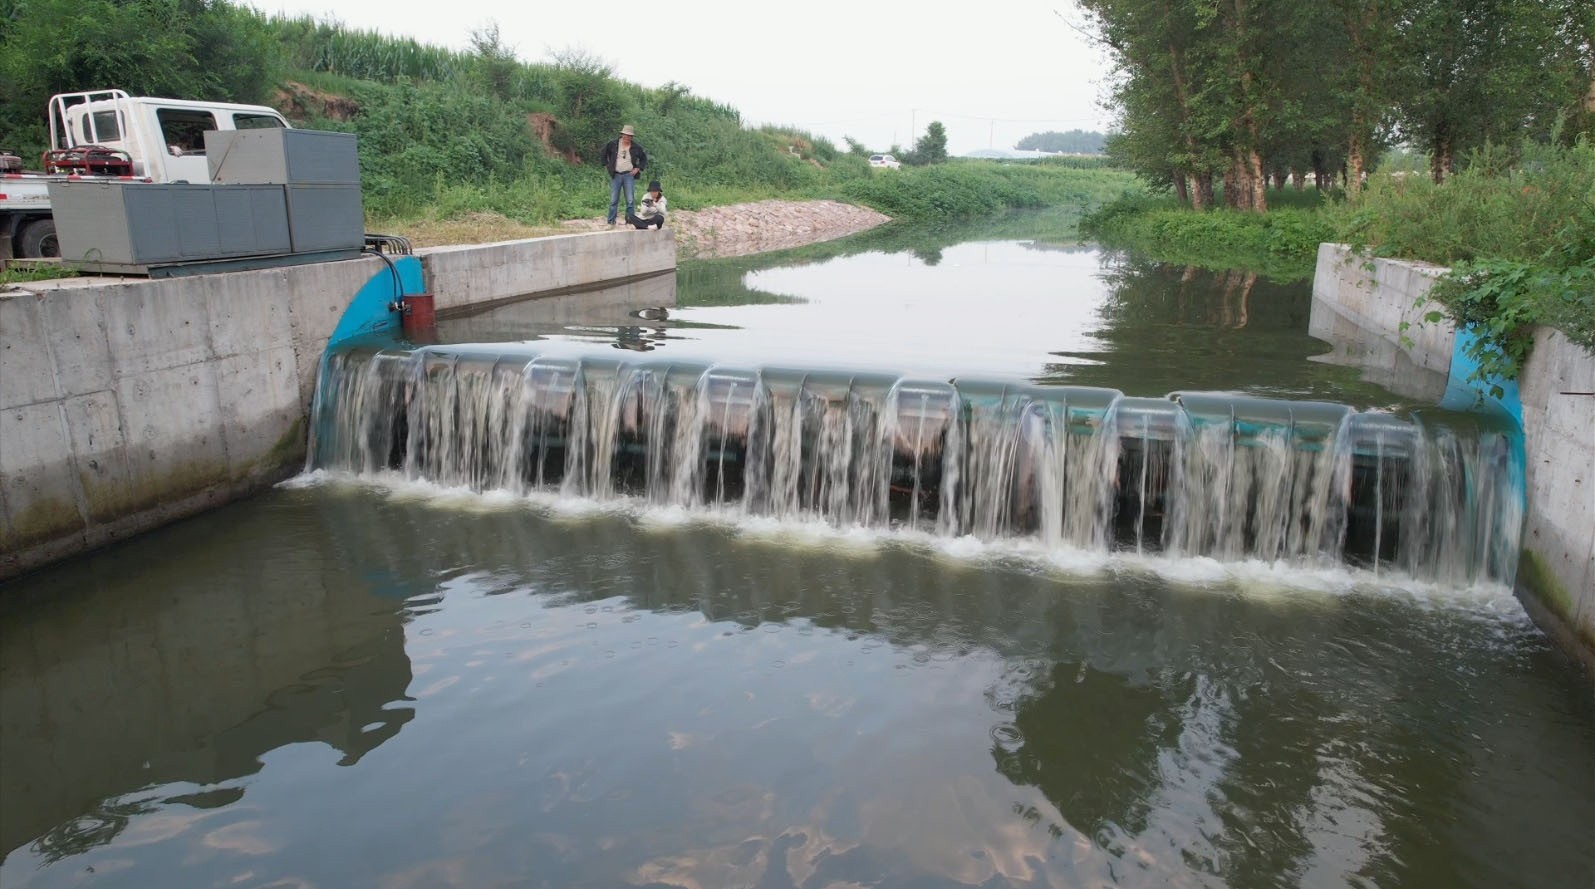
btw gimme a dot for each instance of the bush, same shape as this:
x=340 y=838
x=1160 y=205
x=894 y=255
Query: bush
x=1518 y=230
x=966 y=189
x=1282 y=244
x=1491 y=209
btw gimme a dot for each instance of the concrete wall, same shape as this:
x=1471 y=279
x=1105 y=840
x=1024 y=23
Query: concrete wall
x=1557 y=387
x=609 y=306
x=1388 y=298
x=129 y=403
x=484 y=274
x=1556 y=578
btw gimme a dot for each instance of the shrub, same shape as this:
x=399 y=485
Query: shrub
x=1282 y=243
x=1518 y=229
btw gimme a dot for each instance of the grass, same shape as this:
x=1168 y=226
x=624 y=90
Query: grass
x=469 y=228
x=1281 y=244
x=1517 y=228
x=15 y=274
x=459 y=212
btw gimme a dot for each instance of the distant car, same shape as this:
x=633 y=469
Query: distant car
x=884 y=160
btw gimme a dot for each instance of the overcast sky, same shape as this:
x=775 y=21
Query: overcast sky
x=992 y=71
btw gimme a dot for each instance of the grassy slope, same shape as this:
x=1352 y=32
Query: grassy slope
x=445 y=161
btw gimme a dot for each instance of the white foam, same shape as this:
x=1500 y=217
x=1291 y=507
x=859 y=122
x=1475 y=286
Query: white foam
x=315 y=478
x=805 y=533
x=1254 y=578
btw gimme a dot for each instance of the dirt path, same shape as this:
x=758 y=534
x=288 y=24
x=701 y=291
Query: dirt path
x=742 y=229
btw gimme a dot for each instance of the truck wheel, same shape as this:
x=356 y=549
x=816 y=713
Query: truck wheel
x=38 y=240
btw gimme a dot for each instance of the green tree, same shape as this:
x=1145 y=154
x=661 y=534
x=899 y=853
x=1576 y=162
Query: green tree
x=1490 y=71
x=590 y=104
x=931 y=147
x=1168 y=116
x=189 y=49
x=1071 y=142
x=496 y=65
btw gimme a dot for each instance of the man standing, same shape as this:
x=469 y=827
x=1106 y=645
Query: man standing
x=624 y=160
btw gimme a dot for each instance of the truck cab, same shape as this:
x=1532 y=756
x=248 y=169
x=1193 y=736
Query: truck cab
x=164 y=139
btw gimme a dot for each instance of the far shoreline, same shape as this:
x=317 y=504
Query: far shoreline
x=712 y=233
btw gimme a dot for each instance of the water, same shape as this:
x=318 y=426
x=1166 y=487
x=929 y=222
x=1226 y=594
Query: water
x=387 y=681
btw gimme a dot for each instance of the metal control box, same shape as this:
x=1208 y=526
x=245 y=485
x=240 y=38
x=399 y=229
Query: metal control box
x=282 y=156
x=325 y=217
x=146 y=223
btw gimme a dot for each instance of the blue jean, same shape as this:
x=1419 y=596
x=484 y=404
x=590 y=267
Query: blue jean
x=618 y=183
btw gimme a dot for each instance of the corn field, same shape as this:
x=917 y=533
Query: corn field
x=367 y=55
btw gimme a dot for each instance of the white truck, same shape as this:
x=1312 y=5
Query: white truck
x=107 y=133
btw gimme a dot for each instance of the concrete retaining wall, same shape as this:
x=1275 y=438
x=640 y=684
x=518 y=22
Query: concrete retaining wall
x=129 y=403
x=1557 y=387
x=474 y=276
x=1556 y=578
x=1389 y=298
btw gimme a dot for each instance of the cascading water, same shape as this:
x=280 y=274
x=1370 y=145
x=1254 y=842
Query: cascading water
x=1435 y=495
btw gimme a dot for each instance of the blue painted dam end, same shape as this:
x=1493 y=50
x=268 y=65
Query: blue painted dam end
x=370 y=311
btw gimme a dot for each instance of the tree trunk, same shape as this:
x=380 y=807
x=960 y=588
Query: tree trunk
x=1248 y=161
x=1182 y=189
x=1298 y=180
x=1243 y=308
x=1440 y=159
x=1232 y=280
x=1177 y=67
x=1320 y=172
x=1203 y=194
x=1362 y=27
x=1256 y=181
x=1354 y=157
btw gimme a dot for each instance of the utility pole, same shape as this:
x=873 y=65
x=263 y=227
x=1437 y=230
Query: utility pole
x=913 y=125
x=991 y=141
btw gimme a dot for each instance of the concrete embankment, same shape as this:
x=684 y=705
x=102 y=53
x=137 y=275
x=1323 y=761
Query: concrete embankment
x=129 y=403
x=1387 y=301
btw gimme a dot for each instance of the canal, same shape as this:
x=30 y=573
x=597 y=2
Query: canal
x=376 y=676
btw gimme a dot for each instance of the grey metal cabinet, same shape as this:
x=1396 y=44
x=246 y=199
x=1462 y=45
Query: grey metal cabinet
x=144 y=223
x=325 y=217
x=282 y=156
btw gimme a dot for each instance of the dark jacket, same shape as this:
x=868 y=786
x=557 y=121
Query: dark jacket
x=639 y=158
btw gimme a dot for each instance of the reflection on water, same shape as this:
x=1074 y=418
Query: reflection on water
x=185 y=677
x=1166 y=328
x=1379 y=360
x=489 y=693
x=343 y=685
x=941 y=305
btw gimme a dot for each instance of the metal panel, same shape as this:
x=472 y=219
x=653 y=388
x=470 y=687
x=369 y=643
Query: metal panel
x=91 y=221
x=194 y=212
x=145 y=224
x=290 y=157
x=151 y=220
x=252 y=219
x=325 y=217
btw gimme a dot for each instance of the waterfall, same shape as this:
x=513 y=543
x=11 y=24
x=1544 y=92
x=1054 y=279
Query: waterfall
x=1433 y=494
